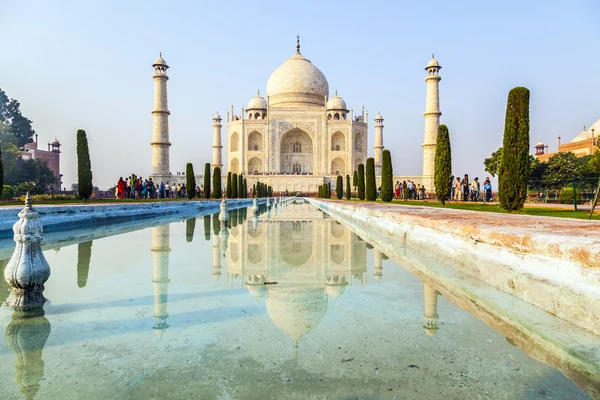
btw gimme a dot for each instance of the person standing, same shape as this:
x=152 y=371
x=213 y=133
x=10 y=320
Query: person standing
x=457 y=189
x=397 y=190
x=475 y=188
x=465 y=187
x=487 y=187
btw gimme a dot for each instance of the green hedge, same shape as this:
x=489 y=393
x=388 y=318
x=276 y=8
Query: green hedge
x=566 y=196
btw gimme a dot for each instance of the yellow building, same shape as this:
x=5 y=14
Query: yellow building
x=583 y=144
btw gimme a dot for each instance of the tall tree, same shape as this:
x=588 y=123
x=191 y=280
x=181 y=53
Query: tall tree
x=339 y=187
x=207 y=181
x=245 y=188
x=348 y=192
x=443 y=165
x=1 y=174
x=240 y=187
x=387 y=177
x=514 y=169
x=355 y=179
x=84 y=166
x=217 y=185
x=228 y=190
x=234 y=186
x=360 y=181
x=371 y=185
x=10 y=114
x=190 y=181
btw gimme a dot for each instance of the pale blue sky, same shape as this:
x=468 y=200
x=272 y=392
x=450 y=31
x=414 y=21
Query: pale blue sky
x=87 y=64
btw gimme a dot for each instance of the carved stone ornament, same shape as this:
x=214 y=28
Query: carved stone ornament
x=27 y=270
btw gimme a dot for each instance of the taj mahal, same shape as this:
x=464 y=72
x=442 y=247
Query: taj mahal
x=296 y=137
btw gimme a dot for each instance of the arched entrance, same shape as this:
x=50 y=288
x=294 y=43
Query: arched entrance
x=338 y=166
x=255 y=166
x=296 y=152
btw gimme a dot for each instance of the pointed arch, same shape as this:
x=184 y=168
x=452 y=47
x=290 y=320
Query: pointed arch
x=338 y=141
x=234 y=142
x=255 y=141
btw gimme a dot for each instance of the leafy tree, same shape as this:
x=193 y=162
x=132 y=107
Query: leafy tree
x=360 y=181
x=207 y=181
x=348 y=193
x=10 y=154
x=234 y=186
x=217 y=189
x=35 y=171
x=443 y=165
x=339 y=187
x=387 y=176
x=190 y=181
x=594 y=162
x=10 y=114
x=84 y=166
x=492 y=163
x=228 y=189
x=25 y=187
x=513 y=174
x=560 y=170
x=371 y=185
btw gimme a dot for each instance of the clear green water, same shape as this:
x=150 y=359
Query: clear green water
x=182 y=311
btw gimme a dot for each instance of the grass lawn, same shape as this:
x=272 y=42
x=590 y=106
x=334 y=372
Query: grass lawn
x=528 y=210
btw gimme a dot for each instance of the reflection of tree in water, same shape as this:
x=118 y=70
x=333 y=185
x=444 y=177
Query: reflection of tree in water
x=233 y=218
x=190 y=227
x=27 y=335
x=207 y=227
x=216 y=224
x=84 y=256
x=4 y=287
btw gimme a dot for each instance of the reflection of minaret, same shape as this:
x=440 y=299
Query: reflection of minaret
x=216 y=251
x=160 y=275
x=27 y=335
x=378 y=269
x=84 y=256
x=431 y=315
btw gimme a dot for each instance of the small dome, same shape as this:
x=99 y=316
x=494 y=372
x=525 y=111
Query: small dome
x=257 y=103
x=55 y=142
x=433 y=63
x=257 y=291
x=160 y=61
x=585 y=135
x=335 y=291
x=336 y=103
x=378 y=116
x=539 y=144
x=217 y=116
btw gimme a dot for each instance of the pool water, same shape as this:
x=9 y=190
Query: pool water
x=286 y=303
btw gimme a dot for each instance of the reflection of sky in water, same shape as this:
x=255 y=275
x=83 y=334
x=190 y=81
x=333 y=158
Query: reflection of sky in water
x=284 y=304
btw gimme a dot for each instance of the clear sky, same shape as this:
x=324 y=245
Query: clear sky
x=87 y=64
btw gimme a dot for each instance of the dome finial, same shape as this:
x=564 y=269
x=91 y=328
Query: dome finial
x=258 y=92
x=336 y=92
x=432 y=55
x=160 y=53
x=298 y=43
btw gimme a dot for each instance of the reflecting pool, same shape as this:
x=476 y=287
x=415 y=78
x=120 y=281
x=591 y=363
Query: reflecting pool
x=285 y=303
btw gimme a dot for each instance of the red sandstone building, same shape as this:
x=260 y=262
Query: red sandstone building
x=582 y=145
x=50 y=157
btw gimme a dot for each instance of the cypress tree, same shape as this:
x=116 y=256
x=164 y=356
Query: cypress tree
x=245 y=188
x=240 y=187
x=270 y=191
x=387 y=177
x=1 y=174
x=217 y=184
x=360 y=181
x=339 y=187
x=207 y=181
x=234 y=186
x=371 y=185
x=348 y=193
x=254 y=190
x=328 y=190
x=84 y=166
x=190 y=181
x=228 y=188
x=514 y=166
x=355 y=179
x=443 y=165
x=207 y=228
x=190 y=227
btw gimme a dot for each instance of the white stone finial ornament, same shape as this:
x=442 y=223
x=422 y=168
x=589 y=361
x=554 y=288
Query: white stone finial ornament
x=224 y=215
x=268 y=203
x=27 y=270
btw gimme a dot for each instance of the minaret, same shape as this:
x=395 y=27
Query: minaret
x=217 y=146
x=161 y=166
x=432 y=121
x=431 y=315
x=160 y=275
x=216 y=252
x=378 y=143
x=377 y=267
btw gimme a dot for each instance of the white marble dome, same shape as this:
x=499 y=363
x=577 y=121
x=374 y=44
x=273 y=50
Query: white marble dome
x=257 y=103
x=585 y=135
x=433 y=63
x=297 y=80
x=336 y=103
x=160 y=61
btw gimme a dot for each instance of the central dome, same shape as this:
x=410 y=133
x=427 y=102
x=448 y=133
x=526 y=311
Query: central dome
x=297 y=80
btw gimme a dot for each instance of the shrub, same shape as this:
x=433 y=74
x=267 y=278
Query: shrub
x=443 y=165
x=84 y=166
x=371 y=185
x=387 y=177
x=190 y=181
x=514 y=165
x=207 y=181
x=566 y=196
x=8 y=192
x=360 y=180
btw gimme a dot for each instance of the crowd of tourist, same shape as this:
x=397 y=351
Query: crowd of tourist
x=462 y=190
x=407 y=190
x=134 y=187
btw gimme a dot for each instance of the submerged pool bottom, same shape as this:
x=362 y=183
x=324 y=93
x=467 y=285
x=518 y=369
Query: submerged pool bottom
x=284 y=303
